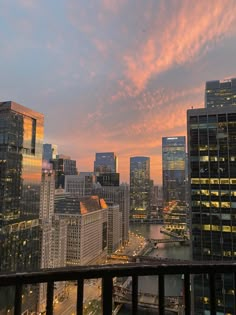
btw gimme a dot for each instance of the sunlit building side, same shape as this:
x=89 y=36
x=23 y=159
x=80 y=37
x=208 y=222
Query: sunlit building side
x=212 y=180
x=173 y=168
x=87 y=219
x=21 y=144
x=140 y=188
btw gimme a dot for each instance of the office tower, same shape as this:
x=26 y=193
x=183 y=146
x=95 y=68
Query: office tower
x=86 y=219
x=220 y=93
x=49 y=151
x=63 y=165
x=118 y=195
x=80 y=185
x=173 y=168
x=140 y=188
x=114 y=232
x=212 y=180
x=108 y=179
x=53 y=239
x=21 y=144
x=106 y=162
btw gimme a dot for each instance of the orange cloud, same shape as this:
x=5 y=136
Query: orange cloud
x=181 y=38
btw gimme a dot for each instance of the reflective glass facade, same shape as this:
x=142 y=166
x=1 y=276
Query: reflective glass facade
x=49 y=151
x=21 y=142
x=220 y=93
x=140 y=187
x=173 y=168
x=212 y=178
x=106 y=162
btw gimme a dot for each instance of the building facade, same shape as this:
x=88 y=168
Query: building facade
x=49 y=152
x=140 y=187
x=114 y=231
x=80 y=185
x=118 y=195
x=21 y=144
x=87 y=220
x=53 y=238
x=212 y=180
x=63 y=165
x=105 y=162
x=174 y=168
x=220 y=93
x=108 y=179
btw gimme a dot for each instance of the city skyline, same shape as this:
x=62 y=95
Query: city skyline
x=108 y=80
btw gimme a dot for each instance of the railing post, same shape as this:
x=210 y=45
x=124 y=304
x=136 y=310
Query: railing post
x=235 y=292
x=49 y=306
x=161 y=294
x=134 y=295
x=80 y=296
x=18 y=299
x=212 y=293
x=107 y=292
x=187 y=295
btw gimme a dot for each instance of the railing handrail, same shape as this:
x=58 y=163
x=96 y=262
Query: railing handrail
x=116 y=270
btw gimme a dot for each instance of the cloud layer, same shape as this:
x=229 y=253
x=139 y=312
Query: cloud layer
x=114 y=75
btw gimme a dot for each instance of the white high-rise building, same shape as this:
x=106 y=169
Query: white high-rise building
x=86 y=219
x=53 y=236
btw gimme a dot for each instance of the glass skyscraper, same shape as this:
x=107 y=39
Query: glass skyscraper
x=21 y=143
x=106 y=162
x=140 y=187
x=212 y=179
x=220 y=93
x=173 y=168
x=49 y=151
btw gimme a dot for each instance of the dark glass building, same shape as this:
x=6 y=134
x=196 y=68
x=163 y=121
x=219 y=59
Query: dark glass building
x=140 y=187
x=21 y=143
x=63 y=165
x=212 y=179
x=174 y=168
x=106 y=162
x=220 y=93
x=109 y=179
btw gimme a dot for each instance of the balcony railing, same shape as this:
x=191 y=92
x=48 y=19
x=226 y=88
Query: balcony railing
x=108 y=272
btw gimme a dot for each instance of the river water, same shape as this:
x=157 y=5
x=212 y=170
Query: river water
x=149 y=284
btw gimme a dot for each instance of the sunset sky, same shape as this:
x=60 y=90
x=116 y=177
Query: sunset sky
x=114 y=75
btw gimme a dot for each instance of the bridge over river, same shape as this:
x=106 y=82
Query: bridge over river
x=173 y=304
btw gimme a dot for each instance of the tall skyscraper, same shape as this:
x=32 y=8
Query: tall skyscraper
x=106 y=162
x=173 y=168
x=21 y=144
x=212 y=180
x=49 y=151
x=140 y=187
x=220 y=93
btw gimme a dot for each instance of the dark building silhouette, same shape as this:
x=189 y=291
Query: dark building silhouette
x=212 y=180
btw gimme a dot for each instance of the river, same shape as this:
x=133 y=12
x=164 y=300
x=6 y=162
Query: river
x=149 y=284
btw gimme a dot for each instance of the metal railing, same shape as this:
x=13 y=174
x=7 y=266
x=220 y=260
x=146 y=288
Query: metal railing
x=108 y=272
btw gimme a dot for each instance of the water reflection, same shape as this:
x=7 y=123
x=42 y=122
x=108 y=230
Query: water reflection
x=149 y=284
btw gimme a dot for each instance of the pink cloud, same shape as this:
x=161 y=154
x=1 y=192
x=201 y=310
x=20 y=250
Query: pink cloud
x=190 y=33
